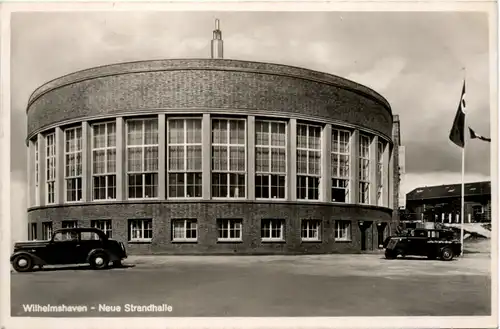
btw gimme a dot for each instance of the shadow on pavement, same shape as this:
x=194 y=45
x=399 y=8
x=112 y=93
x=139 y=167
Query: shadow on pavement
x=78 y=268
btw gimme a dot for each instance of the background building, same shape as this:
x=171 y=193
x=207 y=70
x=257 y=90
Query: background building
x=442 y=203
x=213 y=156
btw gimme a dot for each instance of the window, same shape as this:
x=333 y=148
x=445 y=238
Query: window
x=184 y=230
x=141 y=230
x=103 y=225
x=73 y=163
x=104 y=161
x=310 y=230
x=380 y=172
x=272 y=230
x=85 y=236
x=342 y=230
x=32 y=231
x=270 y=159
x=229 y=229
x=184 y=158
x=37 y=165
x=69 y=224
x=364 y=168
x=228 y=158
x=50 y=156
x=340 y=165
x=46 y=231
x=142 y=158
x=308 y=161
x=66 y=236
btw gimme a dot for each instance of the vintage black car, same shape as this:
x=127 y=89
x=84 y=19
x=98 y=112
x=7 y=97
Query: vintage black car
x=69 y=246
x=433 y=243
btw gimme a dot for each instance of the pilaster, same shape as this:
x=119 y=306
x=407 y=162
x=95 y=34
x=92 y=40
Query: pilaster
x=162 y=146
x=326 y=164
x=373 y=171
x=251 y=157
x=42 y=169
x=206 y=152
x=120 y=159
x=354 y=167
x=86 y=162
x=292 y=160
x=59 y=183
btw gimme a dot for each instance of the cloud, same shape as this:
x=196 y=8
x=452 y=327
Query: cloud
x=385 y=72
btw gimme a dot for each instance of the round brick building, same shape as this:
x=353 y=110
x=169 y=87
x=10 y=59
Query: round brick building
x=212 y=156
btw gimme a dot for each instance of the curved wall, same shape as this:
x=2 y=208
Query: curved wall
x=220 y=85
x=207 y=214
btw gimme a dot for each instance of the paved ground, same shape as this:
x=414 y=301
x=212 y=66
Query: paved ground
x=326 y=285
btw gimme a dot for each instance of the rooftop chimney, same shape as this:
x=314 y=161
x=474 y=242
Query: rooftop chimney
x=217 y=43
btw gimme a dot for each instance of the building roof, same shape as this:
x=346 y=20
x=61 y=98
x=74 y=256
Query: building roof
x=449 y=191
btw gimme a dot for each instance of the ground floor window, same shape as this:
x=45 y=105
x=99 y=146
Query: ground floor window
x=272 y=230
x=141 y=230
x=343 y=230
x=310 y=230
x=32 y=231
x=103 y=225
x=46 y=231
x=184 y=230
x=229 y=229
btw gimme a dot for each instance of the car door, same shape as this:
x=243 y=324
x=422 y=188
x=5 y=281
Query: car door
x=62 y=248
x=88 y=242
x=418 y=245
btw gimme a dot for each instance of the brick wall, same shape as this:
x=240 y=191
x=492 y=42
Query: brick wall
x=220 y=86
x=207 y=214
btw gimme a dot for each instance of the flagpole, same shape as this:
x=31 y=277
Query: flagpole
x=462 y=205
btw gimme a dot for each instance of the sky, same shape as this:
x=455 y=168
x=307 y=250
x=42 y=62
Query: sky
x=415 y=60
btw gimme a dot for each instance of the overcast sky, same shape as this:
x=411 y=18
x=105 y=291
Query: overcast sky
x=414 y=60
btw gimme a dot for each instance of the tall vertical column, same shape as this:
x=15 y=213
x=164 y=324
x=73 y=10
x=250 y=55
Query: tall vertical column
x=59 y=193
x=386 y=186
x=326 y=164
x=251 y=158
x=162 y=134
x=30 y=172
x=390 y=188
x=42 y=165
x=86 y=163
x=120 y=159
x=373 y=171
x=292 y=160
x=206 y=154
x=354 y=167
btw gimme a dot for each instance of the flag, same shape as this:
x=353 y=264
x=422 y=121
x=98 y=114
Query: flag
x=474 y=135
x=457 y=135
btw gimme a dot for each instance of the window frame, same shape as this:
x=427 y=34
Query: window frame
x=143 y=229
x=47 y=231
x=270 y=148
x=185 y=146
x=185 y=222
x=269 y=238
x=77 y=178
x=33 y=232
x=308 y=229
x=337 y=176
x=228 y=172
x=308 y=176
x=380 y=171
x=107 y=227
x=338 y=230
x=50 y=170
x=106 y=149
x=226 y=222
x=143 y=146
x=364 y=159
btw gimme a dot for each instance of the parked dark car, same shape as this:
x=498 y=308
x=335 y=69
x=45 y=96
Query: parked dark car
x=433 y=243
x=69 y=246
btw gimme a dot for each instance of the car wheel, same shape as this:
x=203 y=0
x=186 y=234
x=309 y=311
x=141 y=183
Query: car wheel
x=447 y=254
x=99 y=261
x=390 y=255
x=23 y=263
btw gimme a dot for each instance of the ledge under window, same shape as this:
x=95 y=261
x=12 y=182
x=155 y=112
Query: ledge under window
x=184 y=240
x=229 y=240
x=264 y=240
x=343 y=240
x=311 y=240
x=145 y=241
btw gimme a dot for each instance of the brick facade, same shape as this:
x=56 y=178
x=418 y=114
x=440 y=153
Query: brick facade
x=221 y=85
x=207 y=214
